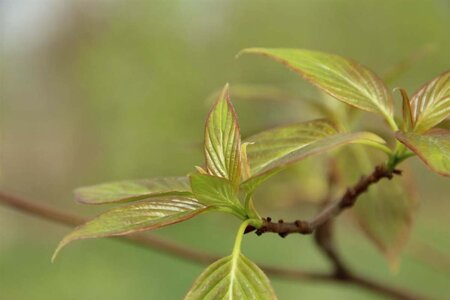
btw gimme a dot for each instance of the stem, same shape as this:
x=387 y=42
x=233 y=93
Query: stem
x=192 y=255
x=239 y=237
x=330 y=211
x=391 y=123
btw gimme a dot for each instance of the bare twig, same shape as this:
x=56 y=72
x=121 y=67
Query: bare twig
x=330 y=211
x=193 y=255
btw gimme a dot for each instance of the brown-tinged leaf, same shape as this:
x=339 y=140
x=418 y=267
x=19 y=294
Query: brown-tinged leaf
x=132 y=190
x=433 y=148
x=135 y=217
x=431 y=104
x=342 y=78
x=223 y=140
x=274 y=149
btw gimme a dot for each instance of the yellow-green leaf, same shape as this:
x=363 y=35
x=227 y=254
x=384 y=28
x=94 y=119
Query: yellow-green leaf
x=433 y=148
x=132 y=190
x=234 y=278
x=135 y=217
x=431 y=104
x=342 y=78
x=223 y=140
x=277 y=148
x=213 y=191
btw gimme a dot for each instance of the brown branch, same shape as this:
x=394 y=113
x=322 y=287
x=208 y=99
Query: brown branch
x=330 y=211
x=324 y=235
x=193 y=255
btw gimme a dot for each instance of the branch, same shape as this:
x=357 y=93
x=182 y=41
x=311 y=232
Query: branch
x=332 y=210
x=324 y=235
x=193 y=255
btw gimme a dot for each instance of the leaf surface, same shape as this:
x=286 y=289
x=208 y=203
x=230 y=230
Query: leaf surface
x=223 y=140
x=232 y=277
x=433 y=148
x=214 y=191
x=344 y=79
x=132 y=190
x=135 y=217
x=431 y=104
x=277 y=148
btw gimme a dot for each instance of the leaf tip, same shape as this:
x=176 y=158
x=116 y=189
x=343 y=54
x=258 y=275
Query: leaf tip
x=247 y=51
x=58 y=249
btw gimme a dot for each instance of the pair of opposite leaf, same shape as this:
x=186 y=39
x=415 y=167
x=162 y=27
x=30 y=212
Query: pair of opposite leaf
x=234 y=169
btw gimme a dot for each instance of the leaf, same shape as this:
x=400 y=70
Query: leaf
x=232 y=277
x=344 y=79
x=433 y=148
x=277 y=148
x=214 y=191
x=135 y=217
x=385 y=212
x=131 y=190
x=406 y=110
x=431 y=104
x=223 y=140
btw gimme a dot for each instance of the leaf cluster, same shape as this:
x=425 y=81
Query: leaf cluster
x=235 y=167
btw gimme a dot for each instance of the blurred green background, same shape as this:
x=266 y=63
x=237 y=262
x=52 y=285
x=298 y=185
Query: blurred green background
x=96 y=91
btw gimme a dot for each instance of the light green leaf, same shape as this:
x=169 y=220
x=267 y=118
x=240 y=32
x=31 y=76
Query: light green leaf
x=385 y=212
x=344 y=79
x=211 y=190
x=433 y=148
x=132 y=190
x=135 y=217
x=223 y=140
x=229 y=278
x=431 y=104
x=277 y=148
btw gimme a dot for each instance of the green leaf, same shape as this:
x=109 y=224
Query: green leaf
x=344 y=79
x=211 y=190
x=431 y=104
x=280 y=147
x=223 y=140
x=135 y=217
x=131 y=190
x=385 y=212
x=433 y=148
x=232 y=278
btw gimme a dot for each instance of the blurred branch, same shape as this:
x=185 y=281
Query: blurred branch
x=193 y=255
x=401 y=67
x=323 y=236
x=330 y=211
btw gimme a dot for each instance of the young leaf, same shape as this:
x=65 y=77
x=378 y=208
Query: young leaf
x=135 y=217
x=132 y=190
x=431 y=104
x=246 y=172
x=277 y=148
x=406 y=110
x=433 y=148
x=223 y=140
x=344 y=79
x=213 y=191
x=232 y=278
